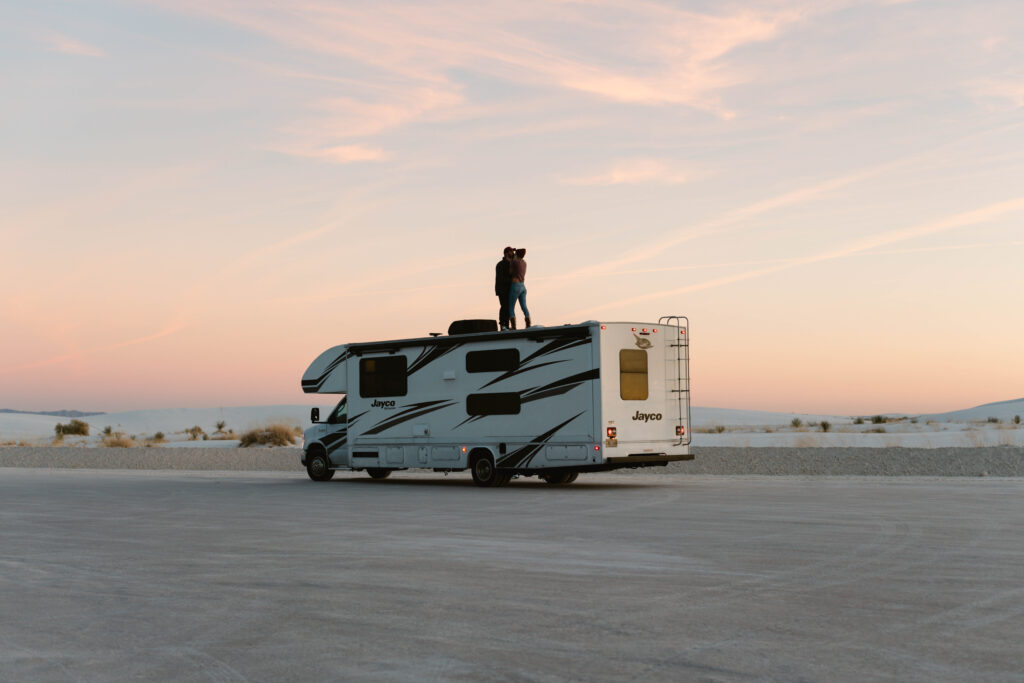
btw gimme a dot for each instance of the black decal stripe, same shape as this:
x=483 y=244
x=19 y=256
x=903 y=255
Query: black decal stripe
x=408 y=415
x=557 y=345
x=521 y=369
x=352 y=420
x=558 y=387
x=522 y=456
x=333 y=442
x=311 y=386
x=471 y=418
x=429 y=355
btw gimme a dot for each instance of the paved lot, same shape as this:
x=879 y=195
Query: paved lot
x=164 y=575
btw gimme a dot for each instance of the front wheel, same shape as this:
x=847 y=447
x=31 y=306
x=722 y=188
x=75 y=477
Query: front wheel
x=318 y=467
x=486 y=474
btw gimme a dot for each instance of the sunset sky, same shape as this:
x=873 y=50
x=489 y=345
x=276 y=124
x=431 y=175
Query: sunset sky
x=197 y=197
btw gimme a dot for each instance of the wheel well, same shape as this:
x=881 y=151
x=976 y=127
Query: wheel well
x=477 y=453
x=316 y=449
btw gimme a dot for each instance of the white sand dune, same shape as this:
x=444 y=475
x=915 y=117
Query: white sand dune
x=711 y=427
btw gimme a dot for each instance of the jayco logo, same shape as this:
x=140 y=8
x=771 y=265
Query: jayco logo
x=382 y=404
x=644 y=417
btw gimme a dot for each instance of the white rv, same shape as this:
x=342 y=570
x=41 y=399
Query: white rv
x=544 y=401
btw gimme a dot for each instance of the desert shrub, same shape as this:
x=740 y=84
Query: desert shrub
x=913 y=420
x=270 y=435
x=220 y=426
x=108 y=430
x=76 y=427
x=825 y=425
x=1016 y=419
x=195 y=432
x=157 y=438
x=877 y=430
x=118 y=440
x=796 y=423
x=859 y=421
x=879 y=420
x=994 y=420
x=719 y=429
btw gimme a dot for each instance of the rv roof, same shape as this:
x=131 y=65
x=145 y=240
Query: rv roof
x=579 y=330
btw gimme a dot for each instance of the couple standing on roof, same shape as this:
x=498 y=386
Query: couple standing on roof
x=510 y=287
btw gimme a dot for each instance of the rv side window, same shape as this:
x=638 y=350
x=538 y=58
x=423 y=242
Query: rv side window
x=382 y=376
x=633 y=374
x=496 y=360
x=493 y=404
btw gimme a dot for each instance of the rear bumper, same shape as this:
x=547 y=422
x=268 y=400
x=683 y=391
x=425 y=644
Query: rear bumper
x=645 y=459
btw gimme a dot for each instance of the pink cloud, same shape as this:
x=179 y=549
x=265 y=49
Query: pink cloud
x=338 y=154
x=59 y=42
x=634 y=172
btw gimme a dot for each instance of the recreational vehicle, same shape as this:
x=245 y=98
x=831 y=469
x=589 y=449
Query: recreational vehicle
x=550 y=402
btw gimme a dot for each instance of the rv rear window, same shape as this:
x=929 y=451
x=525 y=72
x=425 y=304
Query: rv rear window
x=493 y=404
x=382 y=376
x=496 y=360
x=633 y=374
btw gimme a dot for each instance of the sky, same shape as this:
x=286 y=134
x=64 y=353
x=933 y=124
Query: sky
x=197 y=197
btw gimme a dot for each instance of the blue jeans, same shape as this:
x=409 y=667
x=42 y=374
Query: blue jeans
x=517 y=292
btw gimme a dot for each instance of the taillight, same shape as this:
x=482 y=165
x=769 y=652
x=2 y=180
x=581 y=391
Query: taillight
x=612 y=431
x=680 y=430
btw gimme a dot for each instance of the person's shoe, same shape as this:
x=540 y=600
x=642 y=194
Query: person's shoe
x=512 y=323
x=528 y=321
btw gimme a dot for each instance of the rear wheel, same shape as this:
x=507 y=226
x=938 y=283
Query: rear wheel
x=318 y=467
x=378 y=472
x=558 y=478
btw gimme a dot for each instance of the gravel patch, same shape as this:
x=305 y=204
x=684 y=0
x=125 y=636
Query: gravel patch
x=1000 y=461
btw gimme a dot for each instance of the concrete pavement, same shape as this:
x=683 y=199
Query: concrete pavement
x=169 y=575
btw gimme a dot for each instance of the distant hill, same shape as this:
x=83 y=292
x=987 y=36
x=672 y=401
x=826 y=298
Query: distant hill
x=1002 y=410
x=54 y=413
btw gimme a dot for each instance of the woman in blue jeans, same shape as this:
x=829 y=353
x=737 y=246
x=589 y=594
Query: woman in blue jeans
x=517 y=290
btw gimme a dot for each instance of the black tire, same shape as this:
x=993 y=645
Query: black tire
x=378 y=472
x=318 y=467
x=486 y=474
x=559 y=478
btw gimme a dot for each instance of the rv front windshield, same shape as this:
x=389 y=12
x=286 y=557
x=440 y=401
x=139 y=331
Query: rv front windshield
x=340 y=414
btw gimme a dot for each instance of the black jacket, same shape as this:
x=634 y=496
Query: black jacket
x=502 y=279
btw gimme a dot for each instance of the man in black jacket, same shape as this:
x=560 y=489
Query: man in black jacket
x=502 y=281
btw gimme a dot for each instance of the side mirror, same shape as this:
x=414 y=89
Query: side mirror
x=314 y=415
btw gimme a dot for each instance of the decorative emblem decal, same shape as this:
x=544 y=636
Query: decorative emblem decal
x=642 y=343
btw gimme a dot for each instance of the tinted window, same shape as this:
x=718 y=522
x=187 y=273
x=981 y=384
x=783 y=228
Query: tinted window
x=498 y=360
x=493 y=404
x=382 y=376
x=633 y=374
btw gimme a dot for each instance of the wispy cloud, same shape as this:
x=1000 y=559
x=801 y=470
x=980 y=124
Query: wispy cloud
x=1007 y=89
x=634 y=172
x=641 y=53
x=960 y=220
x=66 y=357
x=339 y=154
x=59 y=42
